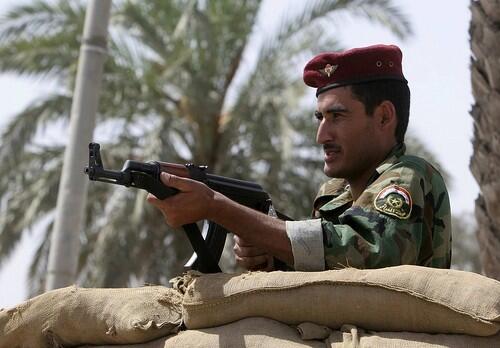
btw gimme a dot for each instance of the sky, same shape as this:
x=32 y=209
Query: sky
x=435 y=62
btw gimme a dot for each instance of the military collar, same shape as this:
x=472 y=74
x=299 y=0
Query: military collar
x=396 y=152
x=331 y=190
x=339 y=192
x=343 y=199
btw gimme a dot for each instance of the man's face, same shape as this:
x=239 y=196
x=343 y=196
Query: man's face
x=347 y=133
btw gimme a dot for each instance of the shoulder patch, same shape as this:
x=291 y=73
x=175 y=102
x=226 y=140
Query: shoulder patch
x=395 y=201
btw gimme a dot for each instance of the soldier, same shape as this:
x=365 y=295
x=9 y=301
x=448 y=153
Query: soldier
x=381 y=208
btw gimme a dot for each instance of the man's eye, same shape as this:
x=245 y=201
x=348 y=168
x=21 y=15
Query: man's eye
x=318 y=116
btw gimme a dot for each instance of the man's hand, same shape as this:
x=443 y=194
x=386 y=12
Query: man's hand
x=251 y=257
x=194 y=202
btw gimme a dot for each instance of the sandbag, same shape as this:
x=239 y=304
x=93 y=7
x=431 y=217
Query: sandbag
x=245 y=333
x=261 y=332
x=352 y=337
x=157 y=343
x=402 y=298
x=74 y=316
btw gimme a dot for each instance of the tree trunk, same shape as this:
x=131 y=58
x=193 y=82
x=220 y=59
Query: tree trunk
x=65 y=240
x=485 y=162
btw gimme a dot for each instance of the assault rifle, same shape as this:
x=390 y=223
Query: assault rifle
x=146 y=175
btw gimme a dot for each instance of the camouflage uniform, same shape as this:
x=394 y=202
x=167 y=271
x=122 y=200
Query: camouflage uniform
x=402 y=217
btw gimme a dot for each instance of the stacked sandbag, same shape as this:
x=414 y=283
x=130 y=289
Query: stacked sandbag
x=263 y=332
x=245 y=333
x=350 y=336
x=404 y=306
x=74 y=316
x=403 y=298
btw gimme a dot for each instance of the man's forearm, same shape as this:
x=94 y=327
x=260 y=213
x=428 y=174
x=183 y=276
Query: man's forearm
x=257 y=228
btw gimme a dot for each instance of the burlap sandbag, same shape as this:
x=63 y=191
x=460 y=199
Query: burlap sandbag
x=403 y=298
x=245 y=333
x=158 y=343
x=261 y=332
x=74 y=316
x=352 y=337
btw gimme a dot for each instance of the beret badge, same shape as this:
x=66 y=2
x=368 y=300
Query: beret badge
x=328 y=70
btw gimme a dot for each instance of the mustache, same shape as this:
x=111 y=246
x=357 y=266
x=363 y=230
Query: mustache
x=331 y=147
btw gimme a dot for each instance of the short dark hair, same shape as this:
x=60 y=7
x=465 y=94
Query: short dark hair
x=371 y=94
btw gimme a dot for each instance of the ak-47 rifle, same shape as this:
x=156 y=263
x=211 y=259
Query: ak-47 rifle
x=146 y=175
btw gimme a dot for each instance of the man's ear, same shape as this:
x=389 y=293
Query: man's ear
x=385 y=114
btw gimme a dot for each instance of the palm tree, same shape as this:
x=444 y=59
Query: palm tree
x=179 y=86
x=485 y=71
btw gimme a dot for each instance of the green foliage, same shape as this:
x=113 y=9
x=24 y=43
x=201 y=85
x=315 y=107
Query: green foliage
x=179 y=86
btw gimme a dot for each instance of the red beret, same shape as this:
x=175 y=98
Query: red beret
x=334 y=69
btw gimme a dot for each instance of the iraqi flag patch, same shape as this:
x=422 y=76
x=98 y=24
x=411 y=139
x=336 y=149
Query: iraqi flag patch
x=394 y=201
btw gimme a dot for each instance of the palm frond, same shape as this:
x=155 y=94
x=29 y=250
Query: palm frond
x=321 y=17
x=37 y=273
x=29 y=193
x=387 y=14
x=21 y=131
x=31 y=37
x=40 y=18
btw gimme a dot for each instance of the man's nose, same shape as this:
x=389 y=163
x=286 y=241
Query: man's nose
x=323 y=134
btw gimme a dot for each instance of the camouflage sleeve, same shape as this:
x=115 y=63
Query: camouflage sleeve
x=391 y=223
